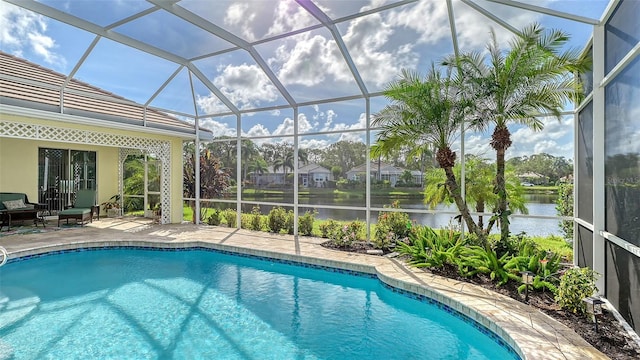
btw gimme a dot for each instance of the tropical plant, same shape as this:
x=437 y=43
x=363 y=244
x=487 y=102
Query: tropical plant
x=575 y=285
x=479 y=178
x=284 y=162
x=544 y=265
x=432 y=248
x=249 y=155
x=112 y=203
x=535 y=76
x=426 y=112
x=214 y=180
x=257 y=167
x=476 y=260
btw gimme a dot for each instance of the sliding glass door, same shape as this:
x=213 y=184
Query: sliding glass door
x=61 y=173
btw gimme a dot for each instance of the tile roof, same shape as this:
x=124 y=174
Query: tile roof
x=29 y=85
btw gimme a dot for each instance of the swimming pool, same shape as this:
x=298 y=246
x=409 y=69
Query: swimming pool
x=144 y=304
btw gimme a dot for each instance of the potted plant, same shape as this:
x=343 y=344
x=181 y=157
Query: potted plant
x=112 y=206
x=157 y=212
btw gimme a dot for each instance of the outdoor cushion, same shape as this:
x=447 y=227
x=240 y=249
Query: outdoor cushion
x=76 y=211
x=14 y=204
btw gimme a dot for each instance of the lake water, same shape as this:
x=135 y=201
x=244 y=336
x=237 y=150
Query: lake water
x=538 y=204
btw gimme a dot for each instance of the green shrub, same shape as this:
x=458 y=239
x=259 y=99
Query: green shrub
x=392 y=226
x=342 y=235
x=575 y=285
x=280 y=219
x=245 y=220
x=289 y=222
x=305 y=222
x=255 y=219
x=214 y=217
x=328 y=227
x=229 y=216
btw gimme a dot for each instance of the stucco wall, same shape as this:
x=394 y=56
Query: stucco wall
x=19 y=161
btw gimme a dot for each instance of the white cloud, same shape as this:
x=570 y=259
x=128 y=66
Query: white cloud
x=240 y=16
x=211 y=104
x=288 y=16
x=286 y=127
x=476 y=144
x=246 y=86
x=22 y=32
x=354 y=137
x=366 y=39
x=309 y=61
x=555 y=139
x=312 y=59
x=314 y=144
x=330 y=126
x=429 y=19
x=218 y=128
x=257 y=130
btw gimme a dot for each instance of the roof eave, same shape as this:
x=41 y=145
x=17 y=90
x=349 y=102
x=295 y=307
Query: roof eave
x=83 y=120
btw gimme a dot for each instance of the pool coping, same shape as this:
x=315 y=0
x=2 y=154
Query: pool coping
x=531 y=333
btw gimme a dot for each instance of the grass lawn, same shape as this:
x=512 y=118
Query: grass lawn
x=555 y=244
x=540 y=189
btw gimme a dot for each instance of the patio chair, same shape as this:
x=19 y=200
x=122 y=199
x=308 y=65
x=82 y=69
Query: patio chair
x=83 y=208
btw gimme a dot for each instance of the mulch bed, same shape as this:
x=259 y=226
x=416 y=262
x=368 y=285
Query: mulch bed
x=611 y=339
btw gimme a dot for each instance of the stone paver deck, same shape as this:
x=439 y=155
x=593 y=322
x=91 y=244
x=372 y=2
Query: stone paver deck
x=533 y=334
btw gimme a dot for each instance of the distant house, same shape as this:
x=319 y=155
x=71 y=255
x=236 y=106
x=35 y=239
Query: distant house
x=314 y=175
x=533 y=178
x=269 y=177
x=388 y=172
x=310 y=175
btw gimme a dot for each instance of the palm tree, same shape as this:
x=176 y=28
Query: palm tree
x=425 y=111
x=258 y=167
x=248 y=153
x=285 y=161
x=479 y=176
x=535 y=76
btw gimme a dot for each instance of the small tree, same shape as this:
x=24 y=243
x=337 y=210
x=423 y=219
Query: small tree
x=336 y=171
x=214 y=180
x=564 y=207
x=407 y=177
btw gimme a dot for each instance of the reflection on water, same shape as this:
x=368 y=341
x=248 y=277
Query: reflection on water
x=538 y=204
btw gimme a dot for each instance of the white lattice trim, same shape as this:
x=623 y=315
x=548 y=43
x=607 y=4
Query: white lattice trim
x=68 y=135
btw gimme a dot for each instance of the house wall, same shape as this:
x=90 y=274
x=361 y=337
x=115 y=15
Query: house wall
x=19 y=162
x=20 y=166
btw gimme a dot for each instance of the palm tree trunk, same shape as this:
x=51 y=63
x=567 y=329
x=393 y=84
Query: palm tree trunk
x=454 y=191
x=500 y=141
x=446 y=159
x=480 y=209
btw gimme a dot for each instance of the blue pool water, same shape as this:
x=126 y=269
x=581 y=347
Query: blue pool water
x=144 y=304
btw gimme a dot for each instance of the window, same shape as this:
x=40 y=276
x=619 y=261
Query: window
x=61 y=173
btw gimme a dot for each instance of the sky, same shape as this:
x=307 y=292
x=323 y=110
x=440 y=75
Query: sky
x=309 y=64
